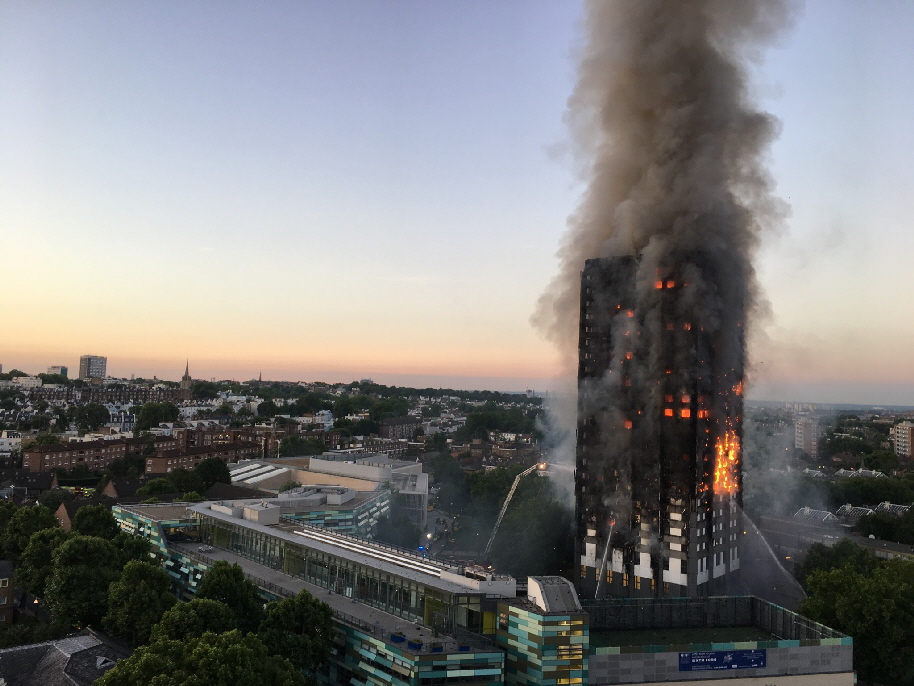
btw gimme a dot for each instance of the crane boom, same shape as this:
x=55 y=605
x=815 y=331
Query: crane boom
x=504 y=508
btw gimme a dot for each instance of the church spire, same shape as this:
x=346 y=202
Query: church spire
x=186 y=382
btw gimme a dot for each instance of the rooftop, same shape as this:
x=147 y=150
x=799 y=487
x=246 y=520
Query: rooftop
x=654 y=637
x=73 y=661
x=165 y=512
x=368 y=619
x=395 y=561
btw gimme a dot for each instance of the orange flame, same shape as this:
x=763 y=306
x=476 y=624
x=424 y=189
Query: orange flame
x=727 y=463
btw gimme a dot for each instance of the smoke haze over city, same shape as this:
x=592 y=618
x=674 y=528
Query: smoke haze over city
x=187 y=180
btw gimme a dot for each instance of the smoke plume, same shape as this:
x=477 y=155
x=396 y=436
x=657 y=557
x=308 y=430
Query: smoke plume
x=672 y=150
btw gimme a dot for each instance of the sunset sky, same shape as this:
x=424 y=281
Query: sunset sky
x=334 y=190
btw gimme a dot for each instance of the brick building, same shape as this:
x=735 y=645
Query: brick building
x=94 y=455
x=134 y=394
x=400 y=427
x=164 y=462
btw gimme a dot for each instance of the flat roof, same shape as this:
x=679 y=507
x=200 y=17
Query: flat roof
x=359 y=498
x=343 y=607
x=600 y=638
x=359 y=551
x=159 y=512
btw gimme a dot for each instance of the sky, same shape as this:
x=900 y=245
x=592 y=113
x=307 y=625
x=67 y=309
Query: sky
x=319 y=190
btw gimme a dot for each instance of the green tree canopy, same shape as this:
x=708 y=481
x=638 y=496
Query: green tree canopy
x=876 y=610
x=184 y=480
x=845 y=553
x=887 y=527
x=52 y=498
x=24 y=522
x=95 y=520
x=213 y=470
x=90 y=417
x=7 y=510
x=870 y=492
x=208 y=660
x=137 y=601
x=159 y=486
x=267 y=409
x=35 y=563
x=299 y=629
x=77 y=589
x=132 y=547
x=189 y=620
x=227 y=584
x=204 y=390
x=394 y=406
x=153 y=414
x=296 y=446
x=46 y=439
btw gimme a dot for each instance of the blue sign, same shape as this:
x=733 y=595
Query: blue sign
x=722 y=659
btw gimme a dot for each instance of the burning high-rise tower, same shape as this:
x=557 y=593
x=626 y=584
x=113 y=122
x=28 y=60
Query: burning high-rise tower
x=677 y=198
x=657 y=473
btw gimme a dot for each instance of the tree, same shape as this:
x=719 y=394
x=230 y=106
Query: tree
x=7 y=509
x=207 y=660
x=184 y=480
x=213 y=470
x=845 y=553
x=267 y=409
x=430 y=411
x=158 y=486
x=875 y=610
x=227 y=584
x=90 y=417
x=153 y=414
x=46 y=439
x=296 y=446
x=288 y=486
x=204 y=390
x=132 y=547
x=52 y=498
x=225 y=409
x=95 y=520
x=190 y=620
x=36 y=561
x=77 y=589
x=63 y=422
x=137 y=601
x=25 y=522
x=299 y=629
x=40 y=422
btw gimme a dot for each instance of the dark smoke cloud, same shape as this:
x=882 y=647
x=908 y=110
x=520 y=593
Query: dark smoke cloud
x=672 y=150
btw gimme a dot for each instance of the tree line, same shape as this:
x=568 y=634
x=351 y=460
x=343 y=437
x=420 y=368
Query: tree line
x=869 y=599
x=98 y=576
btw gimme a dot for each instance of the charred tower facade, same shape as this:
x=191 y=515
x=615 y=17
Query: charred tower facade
x=658 y=474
